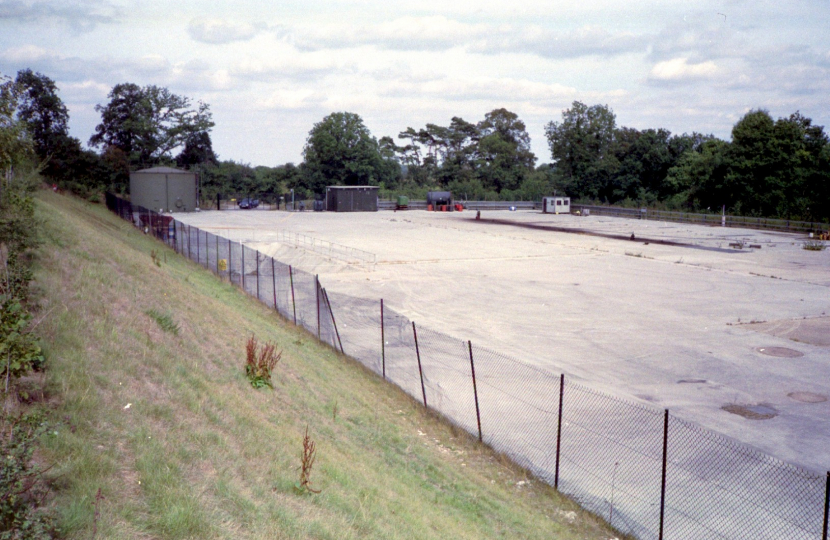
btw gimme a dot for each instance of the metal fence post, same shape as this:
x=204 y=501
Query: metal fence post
x=317 y=287
x=293 y=301
x=257 y=275
x=559 y=430
x=334 y=322
x=242 y=246
x=382 y=341
x=665 y=460
x=475 y=389
x=188 y=242
x=217 y=255
x=420 y=369
x=274 y=281
x=198 y=243
x=826 y=507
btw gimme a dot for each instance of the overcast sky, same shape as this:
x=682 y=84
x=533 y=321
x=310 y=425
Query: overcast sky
x=270 y=70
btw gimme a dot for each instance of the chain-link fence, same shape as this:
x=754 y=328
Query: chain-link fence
x=646 y=472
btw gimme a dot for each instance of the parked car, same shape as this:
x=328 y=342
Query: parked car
x=247 y=203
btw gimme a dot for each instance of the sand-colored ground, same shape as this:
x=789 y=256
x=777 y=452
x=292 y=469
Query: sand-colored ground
x=659 y=318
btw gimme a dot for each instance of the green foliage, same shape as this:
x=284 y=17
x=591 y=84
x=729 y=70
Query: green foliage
x=260 y=362
x=775 y=168
x=15 y=143
x=582 y=147
x=814 y=245
x=148 y=123
x=164 y=320
x=19 y=351
x=198 y=150
x=61 y=158
x=43 y=112
x=340 y=150
x=476 y=161
x=21 y=484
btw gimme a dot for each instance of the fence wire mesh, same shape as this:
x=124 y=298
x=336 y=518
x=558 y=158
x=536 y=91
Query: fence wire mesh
x=447 y=377
x=401 y=358
x=519 y=407
x=607 y=453
x=749 y=494
x=358 y=322
x=305 y=299
x=611 y=458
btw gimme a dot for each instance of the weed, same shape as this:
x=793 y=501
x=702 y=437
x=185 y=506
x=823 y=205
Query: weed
x=260 y=362
x=814 y=245
x=309 y=454
x=164 y=320
x=632 y=254
x=155 y=256
x=98 y=498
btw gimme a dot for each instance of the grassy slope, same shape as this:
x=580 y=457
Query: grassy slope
x=201 y=454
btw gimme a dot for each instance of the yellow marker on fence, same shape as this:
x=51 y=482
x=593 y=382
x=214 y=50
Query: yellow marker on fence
x=223 y=265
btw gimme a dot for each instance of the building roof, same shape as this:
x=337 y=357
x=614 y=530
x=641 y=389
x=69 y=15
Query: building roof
x=163 y=170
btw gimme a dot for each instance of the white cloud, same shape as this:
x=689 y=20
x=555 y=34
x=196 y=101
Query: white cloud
x=585 y=41
x=215 y=31
x=292 y=99
x=299 y=67
x=79 y=15
x=679 y=69
x=482 y=88
x=405 y=33
x=86 y=90
x=25 y=54
x=438 y=33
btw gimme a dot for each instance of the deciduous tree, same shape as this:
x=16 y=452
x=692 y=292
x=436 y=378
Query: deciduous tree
x=149 y=123
x=340 y=150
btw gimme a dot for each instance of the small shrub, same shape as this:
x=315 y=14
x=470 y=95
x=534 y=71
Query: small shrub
x=19 y=351
x=308 y=457
x=814 y=245
x=260 y=362
x=21 y=486
x=164 y=320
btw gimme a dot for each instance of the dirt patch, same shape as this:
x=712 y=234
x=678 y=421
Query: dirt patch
x=752 y=412
x=815 y=331
x=573 y=230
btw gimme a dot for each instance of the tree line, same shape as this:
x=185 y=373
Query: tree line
x=770 y=167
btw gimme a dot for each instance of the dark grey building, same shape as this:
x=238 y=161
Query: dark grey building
x=164 y=189
x=352 y=198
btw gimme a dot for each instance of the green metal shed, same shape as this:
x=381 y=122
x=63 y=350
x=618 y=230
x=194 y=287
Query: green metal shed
x=352 y=198
x=164 y=189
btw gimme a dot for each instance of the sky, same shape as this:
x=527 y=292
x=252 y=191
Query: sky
x=272 y=69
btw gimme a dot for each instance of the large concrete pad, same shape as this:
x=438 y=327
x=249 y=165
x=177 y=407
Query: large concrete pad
x=674 y=317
